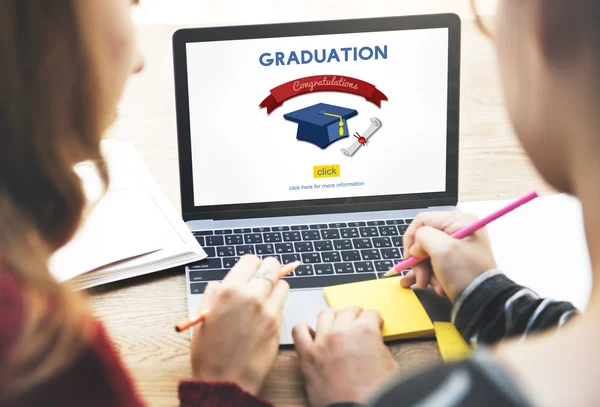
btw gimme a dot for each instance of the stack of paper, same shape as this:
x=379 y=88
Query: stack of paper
x=133 y=229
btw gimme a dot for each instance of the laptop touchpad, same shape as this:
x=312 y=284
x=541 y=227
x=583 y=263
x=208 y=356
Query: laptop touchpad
x=302 y=306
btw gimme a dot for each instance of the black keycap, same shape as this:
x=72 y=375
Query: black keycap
x=395 y=222
x=311 y=258
x=364 y=266
x=326 y=281
x=343 y=268
x=388 y=231
x=284 y=248
x=375 y=223
x=304 y=270
x=371 y=254
x=234 y=239
x=223 y=232
x=244 y=249
x=368 y=232
x=356 y=224
x=330 y=234
x=200 y=240
x=253 y=238
x=402 y=228
x=321 y=269
x=362 y=243
x=210 y=251
x=265 y=249
x=289 y=258
x=244 y=230
x=330 y=257
x=344 y=244
x=272 y=237
x=323 y=245
x=202 y=232
x=390 y=254
x=311 y=235
x=350 y=255
x=320 y=226
x=337 y=225
x=349 y=233
x=397 y=241
x=206 y=264
x=302 y=247
x=223 y=251
x=299 y=227
x=198 y=288
x=383 y=265
x=215 y=241
x=229 y=262
x=381 y=242
x=280 y=228
x=209 y=275
x=291 y=236
x=263 y=229
x=408 y=221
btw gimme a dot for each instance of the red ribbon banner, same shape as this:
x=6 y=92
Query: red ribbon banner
x=322 y=83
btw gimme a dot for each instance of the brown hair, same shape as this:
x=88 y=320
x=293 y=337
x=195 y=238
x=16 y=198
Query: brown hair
x=50 y=99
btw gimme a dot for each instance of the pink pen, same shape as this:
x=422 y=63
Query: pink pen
x=411 y=261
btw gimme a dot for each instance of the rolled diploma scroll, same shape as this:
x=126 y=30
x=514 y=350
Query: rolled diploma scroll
x=375 y=125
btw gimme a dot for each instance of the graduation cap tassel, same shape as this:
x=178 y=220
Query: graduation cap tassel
x=341 y=121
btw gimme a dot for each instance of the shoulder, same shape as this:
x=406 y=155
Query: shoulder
x=11 y=308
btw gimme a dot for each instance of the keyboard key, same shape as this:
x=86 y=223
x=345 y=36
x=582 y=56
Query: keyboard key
x=304 y=270
x=323 y=245
x=223 y=251
x=284 y=248
x=394 y=222
x=388 y=230
x=265 y=249
x=206 y=264
x=215 y=241
x=198 y=288
x=211 y=275
x=261 y=230
x=383 y=265
x=244 y=249
x=344 y=244
x=330 y=257
x=210 y=251
x=289 y=258
x=364 y=267
x=375 y=223
x=234 y=239
x=379 y=242
x=350 y=255
x=299 y=227
x=343 y=268
x=321 y=269
x=390 y=254
x=349 y=233
x=302 y=247
x=272 y=237
x=402 y=228
x=371 y=254
x=356 y=224
x=291 y=236
x=330 y=234
x=408 y=221
x=229 y=262
x=253 y=238
x=362 y=243
x=244 y=230
x=202 y=232
x=368 y=232
x=337 y=225
x=311 y=258
x=200 y=240
x=326 y=281
x=223 y=232
x=311 y=235
x=397 y=241
x=280 y=228
x=320 y=226
x=275 y=256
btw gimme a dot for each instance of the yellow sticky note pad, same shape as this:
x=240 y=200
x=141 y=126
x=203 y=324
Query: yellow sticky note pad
x=451 y=343
x=402 y=312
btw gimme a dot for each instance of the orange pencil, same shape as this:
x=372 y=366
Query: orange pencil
x=188 y=323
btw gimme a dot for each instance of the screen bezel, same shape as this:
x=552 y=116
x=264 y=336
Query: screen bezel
x=449 y=197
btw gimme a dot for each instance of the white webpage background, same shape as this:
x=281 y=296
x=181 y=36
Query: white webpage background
x=242 y=155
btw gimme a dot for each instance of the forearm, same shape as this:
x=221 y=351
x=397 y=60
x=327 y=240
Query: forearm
x=204 y=394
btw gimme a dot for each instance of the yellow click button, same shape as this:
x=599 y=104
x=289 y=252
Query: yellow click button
x=326 y=171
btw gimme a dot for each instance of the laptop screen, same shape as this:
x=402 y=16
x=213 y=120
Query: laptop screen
x=318 y=117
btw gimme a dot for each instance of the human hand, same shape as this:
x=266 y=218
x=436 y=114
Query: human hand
x=453 y=263
x=345 y=359
x=239 y=338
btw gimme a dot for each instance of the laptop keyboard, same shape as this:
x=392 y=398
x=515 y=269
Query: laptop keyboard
x=331 y=254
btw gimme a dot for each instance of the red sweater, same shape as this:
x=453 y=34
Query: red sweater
x=97 y=377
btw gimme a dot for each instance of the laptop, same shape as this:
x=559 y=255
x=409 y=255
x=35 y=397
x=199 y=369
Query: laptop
x=314 y=141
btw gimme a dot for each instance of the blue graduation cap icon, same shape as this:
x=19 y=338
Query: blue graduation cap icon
x=321 y=124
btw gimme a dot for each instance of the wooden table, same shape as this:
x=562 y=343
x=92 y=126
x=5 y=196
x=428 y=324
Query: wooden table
x=140 y=313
